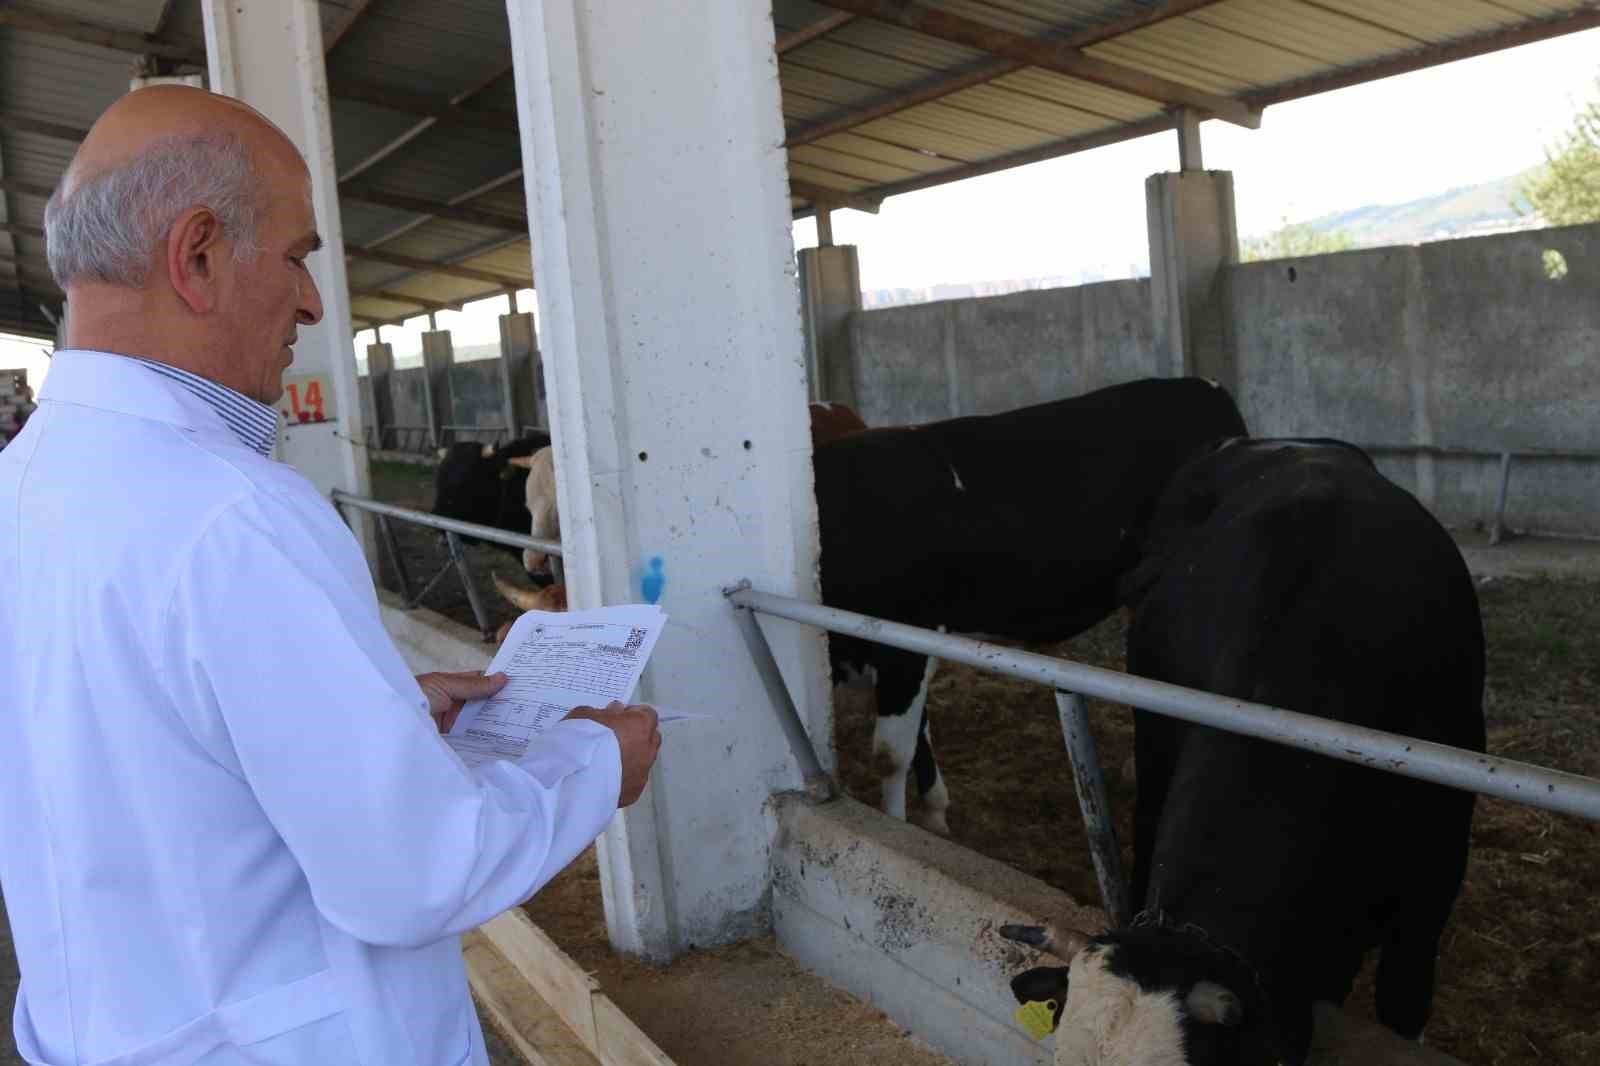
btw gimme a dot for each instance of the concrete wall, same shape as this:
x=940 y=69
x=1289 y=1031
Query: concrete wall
x=475 y=393
x=476 y=390
x=1462 y=344
x=979 y=356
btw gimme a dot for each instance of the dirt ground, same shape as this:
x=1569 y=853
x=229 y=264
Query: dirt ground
x=1520 y=968
x=746 y=1005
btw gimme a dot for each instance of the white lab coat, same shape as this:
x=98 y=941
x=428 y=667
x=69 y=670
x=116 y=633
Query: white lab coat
x=229 y=832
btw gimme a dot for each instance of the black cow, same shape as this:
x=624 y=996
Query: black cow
x=477 y=483
x=1289 y=573
x=1017 y=524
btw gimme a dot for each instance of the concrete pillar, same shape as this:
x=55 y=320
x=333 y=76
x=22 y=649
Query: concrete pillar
x=1193 y=235
x=830 y=288
x=522 y=387
x=380 y=364
x=270 y=56
x=677 y=398
x=438 y=356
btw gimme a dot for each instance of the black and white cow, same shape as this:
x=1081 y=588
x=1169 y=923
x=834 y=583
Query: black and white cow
x=1289 y=573
x=478 y=483
x=1017 y=525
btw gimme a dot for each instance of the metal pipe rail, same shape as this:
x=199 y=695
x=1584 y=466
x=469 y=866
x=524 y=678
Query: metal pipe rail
x=1489 y=775
x=448 y=525
x=453 y=530
x=1497 y=527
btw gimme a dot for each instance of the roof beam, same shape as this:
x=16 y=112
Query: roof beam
x=22 y=188
x=403 y=298
x=944 y=85
x=1051 y=55
x=72 y=29
x=164 y=20
x=806 y=34
x=1039 y=153
x=22 y=231
x=10 y=120
x=346 y=23
x=1587 y=18
x=445 y=113
x=439 y=109
x=360 y=192
x=828 y=196
x=373 y=255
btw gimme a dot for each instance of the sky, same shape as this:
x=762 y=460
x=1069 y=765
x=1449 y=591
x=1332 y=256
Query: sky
x=1384 y=142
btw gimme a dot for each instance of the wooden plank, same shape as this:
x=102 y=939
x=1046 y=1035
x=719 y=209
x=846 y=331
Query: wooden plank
x=622 y=1043
x=558 y=980
x=527 y=1022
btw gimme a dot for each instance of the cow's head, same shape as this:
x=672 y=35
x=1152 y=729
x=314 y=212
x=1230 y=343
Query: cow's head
x=1151 y=997
x=544 y=519
x=467 y=484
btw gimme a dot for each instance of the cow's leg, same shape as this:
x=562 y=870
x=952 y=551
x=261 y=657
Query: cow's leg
x=934 y=796
x=1405 y=980
x=902 y=694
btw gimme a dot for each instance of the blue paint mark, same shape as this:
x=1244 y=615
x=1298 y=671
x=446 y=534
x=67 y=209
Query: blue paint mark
x=654 y=581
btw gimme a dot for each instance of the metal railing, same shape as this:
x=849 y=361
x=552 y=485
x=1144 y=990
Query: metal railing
x=1489 y=775
x=453 y=530
x=1497 y=526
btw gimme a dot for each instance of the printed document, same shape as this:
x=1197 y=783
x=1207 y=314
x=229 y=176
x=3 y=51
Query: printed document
x=555 y=662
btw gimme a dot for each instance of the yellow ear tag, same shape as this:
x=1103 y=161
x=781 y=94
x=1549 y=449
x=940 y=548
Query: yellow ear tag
x=1038 y=1018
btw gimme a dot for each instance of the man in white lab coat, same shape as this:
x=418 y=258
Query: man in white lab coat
x=229 y=830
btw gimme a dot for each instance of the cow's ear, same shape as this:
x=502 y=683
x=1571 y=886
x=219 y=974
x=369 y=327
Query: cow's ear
x=524 y=461
x=1212 y=1004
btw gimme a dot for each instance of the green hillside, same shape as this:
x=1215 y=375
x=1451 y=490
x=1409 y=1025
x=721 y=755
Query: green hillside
x=1458 y=212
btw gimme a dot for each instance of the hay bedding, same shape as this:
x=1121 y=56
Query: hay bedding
x=1519 y=976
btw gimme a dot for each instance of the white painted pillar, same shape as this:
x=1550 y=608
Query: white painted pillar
x=270 y=56
x=1193 y=235
x=658 y=203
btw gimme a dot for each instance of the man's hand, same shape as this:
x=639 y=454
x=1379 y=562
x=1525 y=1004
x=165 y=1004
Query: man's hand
x=447 y=692
x=637 y=737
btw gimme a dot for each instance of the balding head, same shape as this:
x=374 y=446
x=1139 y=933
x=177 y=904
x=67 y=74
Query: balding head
x=180 y=232
x=152 y=155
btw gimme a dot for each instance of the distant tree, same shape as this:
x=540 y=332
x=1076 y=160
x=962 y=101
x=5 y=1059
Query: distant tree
x=1295 y=240
x=1565 y=190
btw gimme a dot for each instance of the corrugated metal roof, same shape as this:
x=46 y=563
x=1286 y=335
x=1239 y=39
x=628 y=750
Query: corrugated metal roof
x=872 y=107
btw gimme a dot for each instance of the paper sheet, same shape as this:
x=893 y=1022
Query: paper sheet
x=555 y=662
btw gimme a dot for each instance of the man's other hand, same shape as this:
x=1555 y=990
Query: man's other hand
x=447 y=692
x=638 y=738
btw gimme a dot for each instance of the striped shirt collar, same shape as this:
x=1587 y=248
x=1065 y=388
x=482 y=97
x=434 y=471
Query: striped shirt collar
x=254 y=423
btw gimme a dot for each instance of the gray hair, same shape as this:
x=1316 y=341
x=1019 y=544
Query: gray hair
x=107 y=230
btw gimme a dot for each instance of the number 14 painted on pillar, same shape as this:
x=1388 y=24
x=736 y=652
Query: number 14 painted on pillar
x=305 y=402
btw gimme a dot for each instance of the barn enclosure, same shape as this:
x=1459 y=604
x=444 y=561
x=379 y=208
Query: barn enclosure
x=639 y=166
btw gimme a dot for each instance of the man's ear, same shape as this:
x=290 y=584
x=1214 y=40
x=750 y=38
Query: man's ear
x=195 y=247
